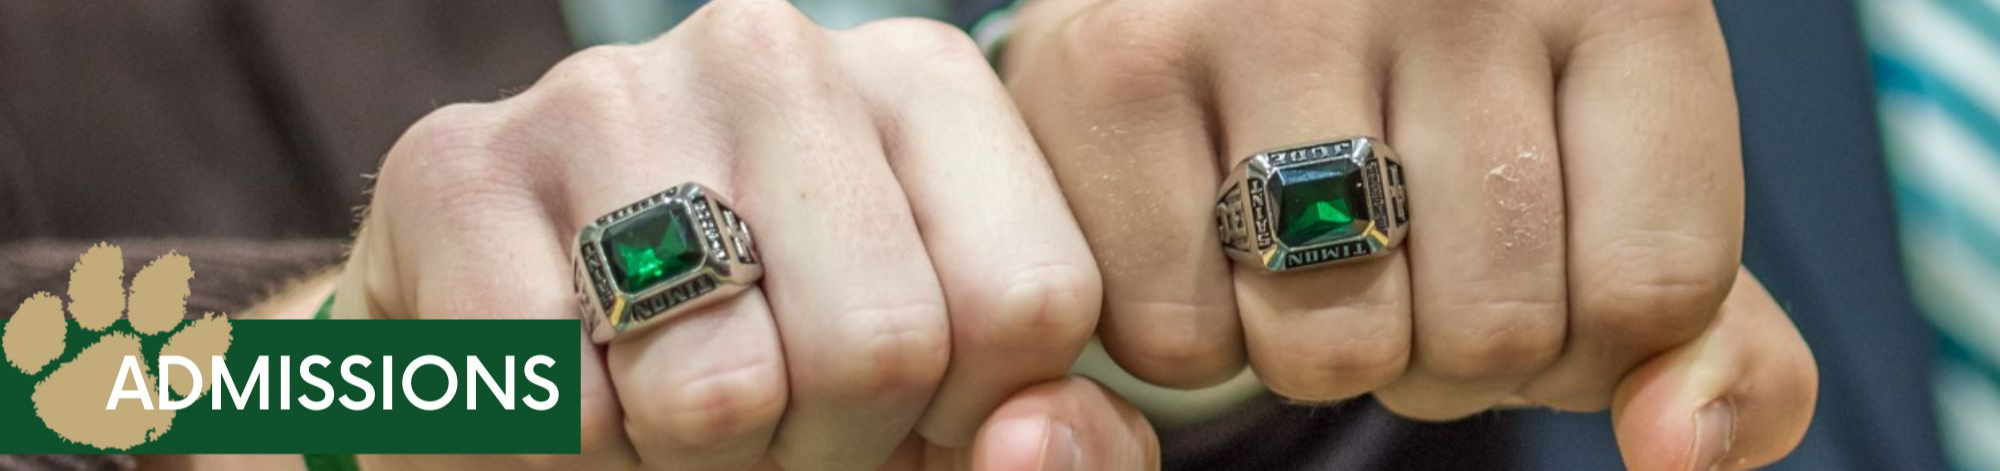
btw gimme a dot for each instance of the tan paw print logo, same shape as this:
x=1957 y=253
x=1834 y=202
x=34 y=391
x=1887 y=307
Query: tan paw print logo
x=71 y=394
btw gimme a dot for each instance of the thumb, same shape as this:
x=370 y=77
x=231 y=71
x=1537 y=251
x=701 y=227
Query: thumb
x=1739 y=396
x=1068 y=424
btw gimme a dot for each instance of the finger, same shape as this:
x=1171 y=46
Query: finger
x=1018 y=279
x=1474 y=114
x=1114 y=98
x=1654 y=180
x=450 y=195
x=1740 y=396
x=1293 y=75
x=859 y=312
x=705 y=389
x=1069 y=424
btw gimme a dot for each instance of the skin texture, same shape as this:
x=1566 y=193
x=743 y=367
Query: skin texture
x=1752 y=359
x=1575 y=190
x=864 y=160
x=1565 y=277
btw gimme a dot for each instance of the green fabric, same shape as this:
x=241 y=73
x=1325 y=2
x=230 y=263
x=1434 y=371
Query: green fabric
x=325 y=309
x=329 y=462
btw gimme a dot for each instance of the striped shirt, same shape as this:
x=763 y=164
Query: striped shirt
x=1937 y=74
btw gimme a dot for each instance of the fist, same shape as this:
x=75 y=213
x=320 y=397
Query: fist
x=1573 y=178
x=920 y=267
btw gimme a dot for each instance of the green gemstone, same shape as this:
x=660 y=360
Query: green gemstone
x=1320 y=202
x=651 y=247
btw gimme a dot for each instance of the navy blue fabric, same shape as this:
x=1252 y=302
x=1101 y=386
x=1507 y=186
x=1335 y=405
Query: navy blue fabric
x=1821 y=235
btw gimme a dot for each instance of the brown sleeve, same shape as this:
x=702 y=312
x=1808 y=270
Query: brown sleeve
x=229 y=275
x=234 y=118
x=68 y=462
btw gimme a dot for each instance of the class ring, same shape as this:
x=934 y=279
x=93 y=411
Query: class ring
x=660 y=257
x=1313 y=205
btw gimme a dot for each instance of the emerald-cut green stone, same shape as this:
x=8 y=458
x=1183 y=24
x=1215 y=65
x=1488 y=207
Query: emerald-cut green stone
x=1320 y=202
x=651 y=247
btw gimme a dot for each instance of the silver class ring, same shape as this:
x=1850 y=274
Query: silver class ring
x=1313 y=205
x=659 y=257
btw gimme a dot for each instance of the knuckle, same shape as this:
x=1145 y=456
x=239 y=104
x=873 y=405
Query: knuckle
x=1049 y=307
x=453 y=150
x=1179 y=362
x=1675 y=10
x=455 y=159
x=594 y=68
x=454 y=128
x=1128 y=53
x=922 y=37
x=1300 y=35
x=922 y=45
x=714 y=409
x=1284 y=19
x=1471 y=30
x=1175 y=357
x=1651 y=295
x=598 y=81
x=1497 y=339
x=1653 y=313
x=1650 y=16
x=762 y=42
x=902 y=355
x=761 y=16
x=1312 y=370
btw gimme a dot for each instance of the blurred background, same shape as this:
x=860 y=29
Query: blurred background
x=627 y=21
x=1937 y=80
x=241 y=132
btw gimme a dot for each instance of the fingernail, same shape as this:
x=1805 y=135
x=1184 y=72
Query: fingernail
x=1061 y=452
x=1714 y=433
x=1039 y=444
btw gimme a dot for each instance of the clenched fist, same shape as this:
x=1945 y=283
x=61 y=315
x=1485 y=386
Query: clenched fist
x=921 y=270
x=1575 y=201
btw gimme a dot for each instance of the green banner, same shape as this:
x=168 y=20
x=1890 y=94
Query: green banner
x=362 y=368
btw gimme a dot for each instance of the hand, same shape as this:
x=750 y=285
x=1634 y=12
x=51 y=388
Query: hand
x=1573 y=174
x=1740 y=396
x=889 y=182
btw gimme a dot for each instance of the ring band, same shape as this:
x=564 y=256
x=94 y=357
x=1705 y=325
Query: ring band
x=1313 y=205
x=659 y=257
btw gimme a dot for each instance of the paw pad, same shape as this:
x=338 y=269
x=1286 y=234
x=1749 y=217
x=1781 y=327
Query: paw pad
x=71 y=398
